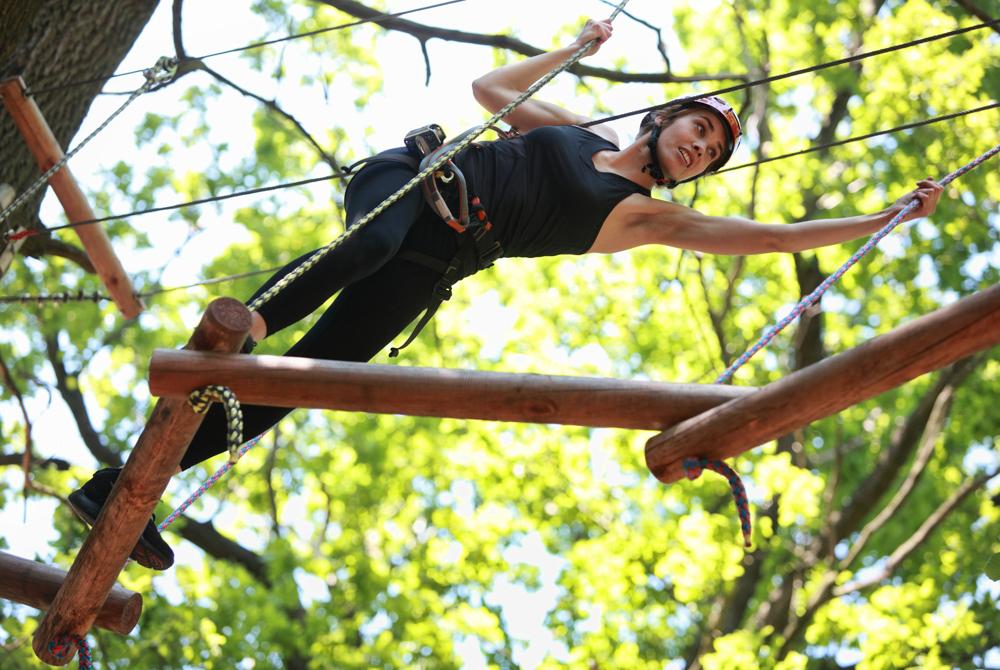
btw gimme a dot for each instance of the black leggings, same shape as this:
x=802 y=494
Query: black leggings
x=380 y=294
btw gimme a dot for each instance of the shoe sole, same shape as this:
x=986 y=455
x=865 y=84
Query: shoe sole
x=142 y=553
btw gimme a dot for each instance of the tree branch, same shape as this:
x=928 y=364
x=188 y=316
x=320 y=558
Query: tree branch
x=935 y=426
x=931 y=524
x=424 y=32
x=44 y=244
x=274 y=107
x=215 y=544
x=980 y=14
x=18 y=459
x=26 y=457
x=69 y=390
x=903 y=443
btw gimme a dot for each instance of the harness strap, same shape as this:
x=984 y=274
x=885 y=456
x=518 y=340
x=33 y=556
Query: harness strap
x=479 y=247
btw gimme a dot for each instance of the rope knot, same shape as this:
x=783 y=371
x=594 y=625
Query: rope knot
x=160 y=74
x=693 y=467
x=63 y=646
x=201 y=399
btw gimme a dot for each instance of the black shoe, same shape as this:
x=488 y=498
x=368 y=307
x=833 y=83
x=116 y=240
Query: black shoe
x=248 y=345
x=151 y=551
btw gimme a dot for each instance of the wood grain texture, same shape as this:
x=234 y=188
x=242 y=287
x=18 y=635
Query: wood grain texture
x=925 y=344
x=36 y=584
x=464 y=394
x=154 y=459
x=47 y=152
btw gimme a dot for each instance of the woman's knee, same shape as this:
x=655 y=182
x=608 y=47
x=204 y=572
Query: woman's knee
x=372 y=248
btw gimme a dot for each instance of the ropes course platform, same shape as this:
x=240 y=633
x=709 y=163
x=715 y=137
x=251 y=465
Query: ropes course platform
x=47 y=152
x=36 y=584
x=282 y=381
x=928 y=343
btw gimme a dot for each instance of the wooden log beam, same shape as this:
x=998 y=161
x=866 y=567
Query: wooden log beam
x=36 y=584
x=925 y=344
x=156 y=456
x=464 y=394
x=47 y=152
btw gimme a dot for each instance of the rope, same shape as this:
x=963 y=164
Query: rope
x=208 y=484
x=446 y=156
x=181 y=205
x=801 y=71
x=813 y=297
x=201 y=399
x=255 y=45
x=64 y=646
x=691 y=466
x=155 y=76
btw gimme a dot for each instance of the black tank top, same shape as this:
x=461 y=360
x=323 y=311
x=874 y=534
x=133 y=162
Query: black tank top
x=542 y=191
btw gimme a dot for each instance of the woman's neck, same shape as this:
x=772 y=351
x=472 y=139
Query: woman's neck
x=627 y=162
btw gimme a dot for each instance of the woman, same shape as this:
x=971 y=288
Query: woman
x=556 y=189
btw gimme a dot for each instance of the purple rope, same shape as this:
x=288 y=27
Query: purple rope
x=226 y=467
x=693 y=466
x=62 y=646
x=813 y=297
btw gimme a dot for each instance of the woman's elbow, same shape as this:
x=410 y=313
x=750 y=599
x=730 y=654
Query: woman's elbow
x=483 y=93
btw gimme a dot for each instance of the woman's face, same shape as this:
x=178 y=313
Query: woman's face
x=690 y=143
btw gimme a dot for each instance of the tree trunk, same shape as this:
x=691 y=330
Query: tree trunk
x=53 y=42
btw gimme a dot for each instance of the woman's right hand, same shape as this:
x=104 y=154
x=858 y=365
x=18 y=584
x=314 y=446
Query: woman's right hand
x=599 y=30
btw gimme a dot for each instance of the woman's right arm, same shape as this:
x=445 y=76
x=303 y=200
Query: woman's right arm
x=497 y=88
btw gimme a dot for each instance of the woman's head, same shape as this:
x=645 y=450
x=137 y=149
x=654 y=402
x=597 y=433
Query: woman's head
x=703 y=132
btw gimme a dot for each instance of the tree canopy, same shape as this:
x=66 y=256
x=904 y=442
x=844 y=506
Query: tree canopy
x=356 y=541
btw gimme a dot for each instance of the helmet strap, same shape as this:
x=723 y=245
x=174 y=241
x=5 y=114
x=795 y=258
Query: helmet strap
x=653 y=167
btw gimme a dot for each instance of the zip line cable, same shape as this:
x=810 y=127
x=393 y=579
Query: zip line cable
x=255 y=45
x=95 y=296
x=336 y=176
x=806 y=70
x=858 y=138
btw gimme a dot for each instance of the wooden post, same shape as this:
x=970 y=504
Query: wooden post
x=36 y=584
x=156 y=456
x=47 y=152
x=465 y=394
x=927 y=343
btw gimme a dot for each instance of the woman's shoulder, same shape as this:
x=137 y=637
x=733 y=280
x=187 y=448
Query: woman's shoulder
x=576 y=134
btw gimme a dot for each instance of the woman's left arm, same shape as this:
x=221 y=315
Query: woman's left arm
x=685 y=228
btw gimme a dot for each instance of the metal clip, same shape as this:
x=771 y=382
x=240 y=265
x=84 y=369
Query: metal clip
x=161 y=73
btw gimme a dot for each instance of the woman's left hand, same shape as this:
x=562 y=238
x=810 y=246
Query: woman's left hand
x=594 y=30
x=927 y=193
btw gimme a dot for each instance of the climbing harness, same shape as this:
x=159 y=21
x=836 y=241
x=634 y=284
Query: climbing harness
x=470 y=136
x=478 y=247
